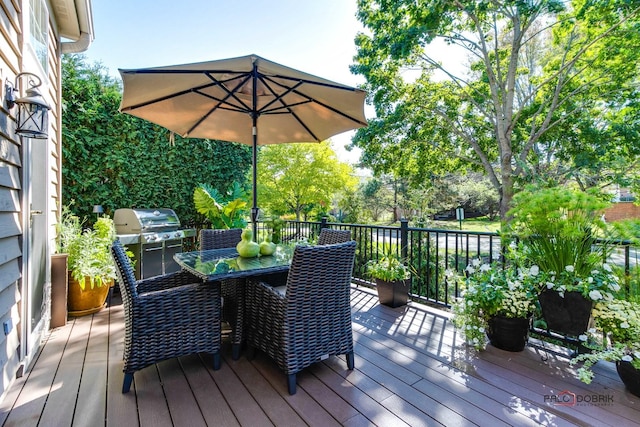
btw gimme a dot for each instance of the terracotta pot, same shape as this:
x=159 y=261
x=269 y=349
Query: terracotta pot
x=88 y=301
x=510 y=334
x=569 y=315
x=393 y=294
x=630 y=376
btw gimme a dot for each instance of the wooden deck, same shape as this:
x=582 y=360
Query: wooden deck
x=408 y=372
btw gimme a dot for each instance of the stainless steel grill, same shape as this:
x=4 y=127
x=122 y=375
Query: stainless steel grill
x=154 y=236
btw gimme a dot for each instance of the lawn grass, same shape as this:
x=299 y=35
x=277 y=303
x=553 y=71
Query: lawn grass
x=475 y=224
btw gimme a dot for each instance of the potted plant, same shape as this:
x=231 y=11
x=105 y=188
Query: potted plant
x=559 y=230
x=67 y=228
x=90 y=265
x=392 y=280
x=615 y=338
x=497 y=300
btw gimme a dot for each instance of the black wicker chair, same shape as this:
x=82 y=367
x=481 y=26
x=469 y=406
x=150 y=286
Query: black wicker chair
x=232 y=289
x=309 y=319
x=166 y=316
x=330 y=237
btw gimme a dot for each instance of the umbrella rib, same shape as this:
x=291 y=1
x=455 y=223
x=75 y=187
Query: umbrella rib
x=230 y=94
x=300 y=83
x=278 y=98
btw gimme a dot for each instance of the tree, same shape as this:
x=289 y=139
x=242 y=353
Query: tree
x=378 y=198
x=299 y=178
x=550 y=88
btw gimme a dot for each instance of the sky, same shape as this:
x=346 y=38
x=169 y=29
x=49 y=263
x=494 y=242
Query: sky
x=314 y=36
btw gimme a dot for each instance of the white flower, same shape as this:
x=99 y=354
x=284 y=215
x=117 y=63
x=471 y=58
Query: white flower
x=485 y=267
x=636 y=354
x=470 y=269
x=592 y=330
x=495 y=256
x=570 y=268
x=627 y=358
x=582 y=337
x=595 y=295
x=480 y=329
x=590 y=279
x=624 y=325
x=476 y=262
x=534 y=270
x=549 y=285
x=606 y=267
x=448 y=272
x=614 y=287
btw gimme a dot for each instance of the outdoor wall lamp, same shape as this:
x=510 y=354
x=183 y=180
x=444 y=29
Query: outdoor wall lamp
x=33 y=111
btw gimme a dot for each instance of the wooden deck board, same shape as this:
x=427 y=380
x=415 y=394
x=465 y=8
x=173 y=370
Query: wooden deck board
x=411 y=369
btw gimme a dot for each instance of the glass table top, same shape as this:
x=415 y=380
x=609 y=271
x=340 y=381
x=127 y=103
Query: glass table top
x=217 y=264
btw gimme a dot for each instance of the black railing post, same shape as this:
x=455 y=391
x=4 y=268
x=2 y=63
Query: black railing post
x=404 y=238
x=323 y=222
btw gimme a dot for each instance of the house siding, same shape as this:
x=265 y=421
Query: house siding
x=12 y=61
x=10 y=193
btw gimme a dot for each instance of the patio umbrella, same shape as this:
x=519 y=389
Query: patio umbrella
x=247 y=99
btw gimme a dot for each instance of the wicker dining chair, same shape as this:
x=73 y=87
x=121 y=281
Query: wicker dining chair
x=329 y=237
x=166 y=316
x=232 y=290
x=309 y=318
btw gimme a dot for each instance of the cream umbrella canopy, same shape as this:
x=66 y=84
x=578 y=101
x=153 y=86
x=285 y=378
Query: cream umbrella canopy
x=248 y=99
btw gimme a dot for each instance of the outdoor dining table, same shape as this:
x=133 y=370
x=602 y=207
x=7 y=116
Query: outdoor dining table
x=223 y=264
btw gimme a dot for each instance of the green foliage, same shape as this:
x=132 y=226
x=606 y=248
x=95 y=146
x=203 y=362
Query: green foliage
x=67 y=230
x=559 y=227
x=118 y=160
x=275 y=224
x=493 y=290
x=388 y=268
x=222 y=211
x=618 y=322
x=301 y=178
x=377 y=198
x=548 y=92
x=89 y=250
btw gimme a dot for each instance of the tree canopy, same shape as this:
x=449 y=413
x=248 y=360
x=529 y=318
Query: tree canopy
x=549 y=92
x=301 y=178
x=116 y=160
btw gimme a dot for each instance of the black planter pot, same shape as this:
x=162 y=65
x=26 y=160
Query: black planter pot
x=630 y=376
x=510 y=334
x=569 y=315
x=393 y=294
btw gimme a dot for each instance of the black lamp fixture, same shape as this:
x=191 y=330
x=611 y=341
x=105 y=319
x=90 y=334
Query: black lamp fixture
x=33 y=110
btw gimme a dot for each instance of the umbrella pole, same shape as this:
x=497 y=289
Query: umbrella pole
x=254 y=209
x=254 y=116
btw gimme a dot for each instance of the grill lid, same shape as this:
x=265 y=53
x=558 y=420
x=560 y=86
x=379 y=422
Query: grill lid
x=135 y=221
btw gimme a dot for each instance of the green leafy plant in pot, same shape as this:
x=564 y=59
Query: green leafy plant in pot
x=497 y=300
x=392 y=280
x=559 y=230
x=615 y=338
x=91 y=267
